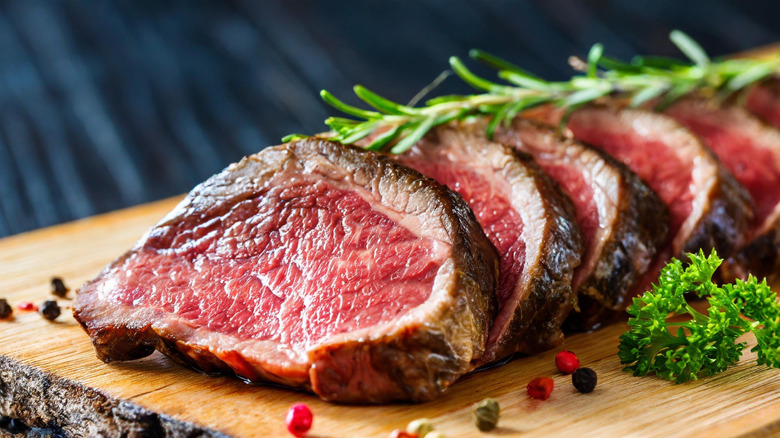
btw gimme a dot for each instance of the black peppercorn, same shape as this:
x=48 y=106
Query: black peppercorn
x=5 y=309
x=16 y=426
x=50 y=310
x=58 y=287
x=584 y=379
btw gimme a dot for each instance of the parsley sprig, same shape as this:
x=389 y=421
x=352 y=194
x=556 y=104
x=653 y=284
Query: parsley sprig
x=704 y=344
x=397 y=126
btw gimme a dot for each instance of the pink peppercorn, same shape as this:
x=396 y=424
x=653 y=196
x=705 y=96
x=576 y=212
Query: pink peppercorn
x=299 y=419
x=400 y=433
x=567 y=362
x=540 y=388
x=27 y=306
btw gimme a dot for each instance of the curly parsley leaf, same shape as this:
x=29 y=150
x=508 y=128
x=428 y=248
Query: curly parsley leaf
x=704 y=344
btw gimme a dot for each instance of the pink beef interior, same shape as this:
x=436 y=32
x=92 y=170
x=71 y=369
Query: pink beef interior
x=581 y=193
x=752 y=162
x=501 y=223
x=664 y=171
x=299 y=261
x=764 y=100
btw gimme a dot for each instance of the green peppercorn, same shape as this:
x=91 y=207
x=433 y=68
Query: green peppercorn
x=50 y=310
x=421 y=427
x=486 y=414
x=58 y=287
x=584 y=379
x=5 y=309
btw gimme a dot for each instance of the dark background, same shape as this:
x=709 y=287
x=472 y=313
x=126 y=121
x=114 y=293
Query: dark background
x=110 y=104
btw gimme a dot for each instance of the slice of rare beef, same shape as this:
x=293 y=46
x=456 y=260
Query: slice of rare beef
x=528 y=219
x=708 y=207
x=309 y=264
x=623 y=222
x=763 y=99
x=751 y=150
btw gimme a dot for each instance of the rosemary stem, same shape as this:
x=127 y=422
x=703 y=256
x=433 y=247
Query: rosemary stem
x=643 y=80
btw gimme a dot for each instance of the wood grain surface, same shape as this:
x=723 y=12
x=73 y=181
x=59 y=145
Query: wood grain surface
x=745 y=400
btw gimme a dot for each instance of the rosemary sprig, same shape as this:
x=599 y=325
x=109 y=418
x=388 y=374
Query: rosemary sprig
x=643 y=79
x=393 y=122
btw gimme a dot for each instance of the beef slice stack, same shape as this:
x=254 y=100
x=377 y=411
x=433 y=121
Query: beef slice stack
x=370 y=278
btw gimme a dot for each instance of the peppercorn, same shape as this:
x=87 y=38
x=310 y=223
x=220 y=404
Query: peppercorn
x=27 y=306
x=58 y=287
x=584 y=379
x=299 y=419
x=400 y=433
x=486 y=414
x=540 y=388
x=5 y=309
x=16 y=426
x=50 y=310
x=421 y=427
x=567 y=362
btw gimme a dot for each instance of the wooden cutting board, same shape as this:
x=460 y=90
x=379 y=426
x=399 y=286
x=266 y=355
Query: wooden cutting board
x=49 y=374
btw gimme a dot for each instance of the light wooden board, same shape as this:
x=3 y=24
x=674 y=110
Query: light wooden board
x=742 y=400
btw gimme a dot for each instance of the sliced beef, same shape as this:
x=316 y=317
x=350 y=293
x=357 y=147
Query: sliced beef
x=751 y=150
x=531 y=223
x=623 y=222
x=312 y=265
x=708 y=207
x=764 y=100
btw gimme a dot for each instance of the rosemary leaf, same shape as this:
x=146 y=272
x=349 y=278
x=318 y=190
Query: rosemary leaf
x=522 y=105
x=293 y=137
x=340 y=124
x=529 y=82
x=749 y=76
x=380 y=103
x=690 y=48
x=647 y=95
x=474 y=80
x=500 y=64
x=445 y=99
x=384 y=138
x=617 y=66
x=584 y=96
x=448 y=117
x=361 y=131
x=677 y=91
x=417 y=133
x=347 y=109
x=500 y=116
x=490 y=109
x=658 y=62
x=594 y=56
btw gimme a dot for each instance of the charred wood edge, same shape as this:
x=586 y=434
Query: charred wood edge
x=42 y=400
